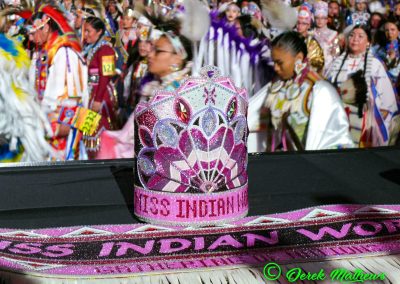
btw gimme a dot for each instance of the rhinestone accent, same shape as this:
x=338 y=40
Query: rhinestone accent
x=167 y=134
x=232 y=109
x=182 y=111
x=146 y=166
x=240 y=130
x=209 y=122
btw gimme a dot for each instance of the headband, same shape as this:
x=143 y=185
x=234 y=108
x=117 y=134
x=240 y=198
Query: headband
x=40 y=24
x=177 y=44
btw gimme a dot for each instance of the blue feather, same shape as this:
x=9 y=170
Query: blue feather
x=8 y=45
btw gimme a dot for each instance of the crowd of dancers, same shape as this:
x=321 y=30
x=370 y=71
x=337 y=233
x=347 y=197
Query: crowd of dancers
x=320 y=75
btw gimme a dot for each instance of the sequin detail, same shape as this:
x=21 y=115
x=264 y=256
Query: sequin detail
x=209 y=122
x=166 y=133
x=146 y=166
x=240 y=130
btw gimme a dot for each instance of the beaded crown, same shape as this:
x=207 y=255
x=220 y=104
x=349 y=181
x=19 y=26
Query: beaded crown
x=192 y=149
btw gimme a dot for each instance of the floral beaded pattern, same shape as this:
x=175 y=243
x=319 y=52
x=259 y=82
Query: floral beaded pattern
x=194 y=139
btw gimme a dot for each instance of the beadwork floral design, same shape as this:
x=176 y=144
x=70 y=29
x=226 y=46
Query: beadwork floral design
x=198 y=141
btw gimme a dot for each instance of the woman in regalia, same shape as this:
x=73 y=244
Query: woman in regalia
x=328 y=39
x=170 y=63
x=360 y=16
x=138 y=64
x=389 y=51
x=299 y=110
x=315 y=54
x=101 y=61
x=366 y=90
x=126 y=37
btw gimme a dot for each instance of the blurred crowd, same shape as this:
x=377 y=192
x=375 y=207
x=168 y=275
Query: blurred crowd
x=88 y=64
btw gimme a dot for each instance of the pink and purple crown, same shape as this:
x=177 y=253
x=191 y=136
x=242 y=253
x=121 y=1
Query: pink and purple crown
x=192 y=154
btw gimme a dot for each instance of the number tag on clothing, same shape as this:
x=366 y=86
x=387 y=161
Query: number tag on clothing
x=87 y=121
x=81 y=118
x=108 y=65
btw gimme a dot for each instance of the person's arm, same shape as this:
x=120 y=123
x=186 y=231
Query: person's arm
x=393 y=64
x=328 y=126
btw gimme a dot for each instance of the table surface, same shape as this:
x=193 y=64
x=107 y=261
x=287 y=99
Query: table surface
x=101 y=192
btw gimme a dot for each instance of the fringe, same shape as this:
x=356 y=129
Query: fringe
x=390 y=265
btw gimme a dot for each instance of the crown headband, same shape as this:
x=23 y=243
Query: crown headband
x=192 y=154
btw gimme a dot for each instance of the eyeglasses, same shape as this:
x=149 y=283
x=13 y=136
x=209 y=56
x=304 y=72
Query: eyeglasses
x=158 y=51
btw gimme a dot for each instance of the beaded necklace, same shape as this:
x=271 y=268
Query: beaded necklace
x=92 y=51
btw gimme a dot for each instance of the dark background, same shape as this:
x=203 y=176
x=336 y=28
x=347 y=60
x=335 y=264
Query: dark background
x=101 y=192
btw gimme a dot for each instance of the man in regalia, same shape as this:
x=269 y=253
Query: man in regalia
x=60 y=78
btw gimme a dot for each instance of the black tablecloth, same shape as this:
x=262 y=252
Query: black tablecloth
x=101 y=192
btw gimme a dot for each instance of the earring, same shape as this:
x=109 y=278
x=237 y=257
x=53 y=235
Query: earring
x=174 y=67
x=299 y=66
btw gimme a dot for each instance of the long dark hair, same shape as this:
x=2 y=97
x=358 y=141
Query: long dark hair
x=368 y=33
x=292 y=42
x=358 y=77
x=96 y=24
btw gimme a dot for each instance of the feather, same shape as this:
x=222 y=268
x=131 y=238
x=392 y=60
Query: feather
x=4 y=13
x=278 y=14
x=195 y=21
x=55 y=13
x=20 y=115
